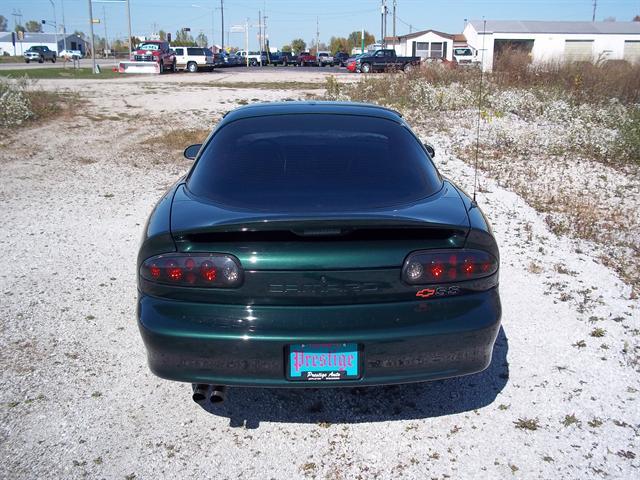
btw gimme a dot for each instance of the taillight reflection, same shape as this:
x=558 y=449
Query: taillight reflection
x=426 y=267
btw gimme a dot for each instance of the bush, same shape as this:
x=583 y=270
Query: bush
x=628 y=141
x=15 y=107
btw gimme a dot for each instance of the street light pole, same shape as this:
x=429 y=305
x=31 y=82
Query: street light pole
x=93 y=46
x=55 y=23
x=64 y=27
x=222 y=19
x=129 y=22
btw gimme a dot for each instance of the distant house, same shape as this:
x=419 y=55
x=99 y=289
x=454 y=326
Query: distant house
x=424 y=44
x=73 y=42
x=555 y=41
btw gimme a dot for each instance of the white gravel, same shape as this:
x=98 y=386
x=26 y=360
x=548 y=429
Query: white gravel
x=77 y=399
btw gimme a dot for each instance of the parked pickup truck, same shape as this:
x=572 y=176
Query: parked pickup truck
x=288 y=58
x=255 y=58
x=39 y=53
x=305 y=58
x=325 y=59
x=385 y=59
x=151 y=56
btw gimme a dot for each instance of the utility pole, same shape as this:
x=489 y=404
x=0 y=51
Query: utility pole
x=93 y=45
x=394 y=18
x=64 y=27
x=260 y=32
x=222 y=29
x=129 y=23
x=317 y=39
x=106 y=38
x=246 y=40
x=55 y=23
x=381 y=22
x=595 y=5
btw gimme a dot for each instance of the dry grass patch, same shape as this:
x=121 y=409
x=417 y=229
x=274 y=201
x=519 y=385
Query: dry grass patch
x=177 y=139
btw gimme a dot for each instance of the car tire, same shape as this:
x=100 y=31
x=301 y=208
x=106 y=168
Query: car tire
x=41 y=60
x=27 y=61
x=192 y=67
x=408 y=68
x=174 y=67
x=365 y=68
x=161 y=66
x=53 y=60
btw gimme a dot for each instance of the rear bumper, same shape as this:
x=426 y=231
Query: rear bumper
x=243 y=345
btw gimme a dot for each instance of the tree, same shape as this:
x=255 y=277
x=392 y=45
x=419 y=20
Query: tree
x=355 y=39
x=33 y=26
x=19 y=28
x=286 y=48
x=80 y=34
x=4 y=24
x=339 y=44
x=162 y=35
x=636 y=18
x=183 y=39
x=609 y=19
x=201 y=40
x=298 y=45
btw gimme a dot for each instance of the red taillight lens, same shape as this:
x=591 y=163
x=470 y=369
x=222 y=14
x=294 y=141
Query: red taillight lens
x=438 y=266
x=193 y=270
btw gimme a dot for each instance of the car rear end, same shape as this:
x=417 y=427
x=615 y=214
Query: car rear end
x=280 y=264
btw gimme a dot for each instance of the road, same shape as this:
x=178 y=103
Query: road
x=109 y=62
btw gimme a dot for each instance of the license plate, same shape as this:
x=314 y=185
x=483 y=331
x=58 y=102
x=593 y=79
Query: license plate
x=323 y=362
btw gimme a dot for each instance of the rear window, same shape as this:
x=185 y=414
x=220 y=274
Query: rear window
x=313 y=162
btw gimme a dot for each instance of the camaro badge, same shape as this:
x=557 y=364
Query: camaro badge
x=425 y=293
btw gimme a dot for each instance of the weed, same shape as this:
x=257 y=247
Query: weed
x=527 y=423
x=598 y=332
x=570 y=420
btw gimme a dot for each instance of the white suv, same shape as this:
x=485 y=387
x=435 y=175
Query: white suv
x=193 y=58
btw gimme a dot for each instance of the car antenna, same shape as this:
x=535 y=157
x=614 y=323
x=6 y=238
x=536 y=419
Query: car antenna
x=475 y=172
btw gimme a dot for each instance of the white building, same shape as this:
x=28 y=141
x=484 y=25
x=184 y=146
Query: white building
x=73 y=42
x=424 y=44
x=556 y=41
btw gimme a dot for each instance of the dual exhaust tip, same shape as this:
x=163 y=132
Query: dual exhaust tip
x=204 y=391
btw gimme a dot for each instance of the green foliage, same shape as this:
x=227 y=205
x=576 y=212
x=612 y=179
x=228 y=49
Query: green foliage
x=298 y=45
x=4 y=24
x=286 y=48
x=19 y=28
x=628 y=143
x=339 y=44
x=201 y=40
x=355 y=39
x=33 y=26
x=183 y=39
x=163 y=35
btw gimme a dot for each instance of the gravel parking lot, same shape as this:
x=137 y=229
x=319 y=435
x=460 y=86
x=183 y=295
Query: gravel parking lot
x=560 y=399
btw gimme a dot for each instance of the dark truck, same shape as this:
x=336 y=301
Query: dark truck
x=39 y=53
x=385 y=59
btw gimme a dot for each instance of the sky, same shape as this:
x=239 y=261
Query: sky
x=289 y=19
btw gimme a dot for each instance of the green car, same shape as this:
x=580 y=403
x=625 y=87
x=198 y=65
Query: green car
x=315 y=244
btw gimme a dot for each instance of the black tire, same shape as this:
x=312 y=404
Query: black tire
x=408 y=68
x=161 y=67
x=41 y=60
x=365 y=68
x=53 y=59
x=174 y=67
x=26 y=60
x=192 y=67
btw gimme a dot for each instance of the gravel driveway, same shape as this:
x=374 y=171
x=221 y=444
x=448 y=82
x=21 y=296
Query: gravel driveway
x=560 y=399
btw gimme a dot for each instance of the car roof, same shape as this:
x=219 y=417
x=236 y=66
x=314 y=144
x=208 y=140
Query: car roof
x=313 y=107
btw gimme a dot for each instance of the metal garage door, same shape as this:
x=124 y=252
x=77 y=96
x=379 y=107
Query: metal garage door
x=632 y=51
x=578 y=50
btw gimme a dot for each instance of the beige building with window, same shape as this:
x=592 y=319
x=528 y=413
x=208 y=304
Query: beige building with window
x=428 y=44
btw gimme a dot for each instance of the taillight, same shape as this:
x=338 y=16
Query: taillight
x=193 y=270
x=444 y=266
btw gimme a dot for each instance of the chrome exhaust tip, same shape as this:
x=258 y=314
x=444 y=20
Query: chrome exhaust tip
x=217 y=394
x=200 y=392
